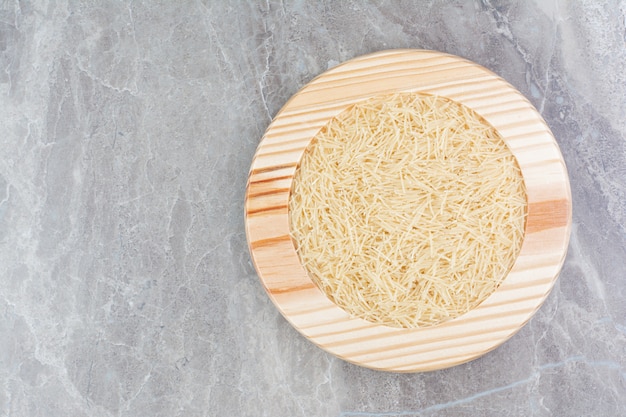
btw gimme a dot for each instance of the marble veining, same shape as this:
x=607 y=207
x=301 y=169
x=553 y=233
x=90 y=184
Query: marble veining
x=127 y=129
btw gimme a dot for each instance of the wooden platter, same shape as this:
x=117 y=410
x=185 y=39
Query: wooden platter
x=453 y=342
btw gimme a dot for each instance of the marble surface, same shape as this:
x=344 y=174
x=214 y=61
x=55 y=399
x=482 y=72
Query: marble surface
x=126 y=132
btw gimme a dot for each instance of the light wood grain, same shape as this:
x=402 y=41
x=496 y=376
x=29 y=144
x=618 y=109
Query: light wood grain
x=453 y=342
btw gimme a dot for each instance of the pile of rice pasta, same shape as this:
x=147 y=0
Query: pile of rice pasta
x=407 y=210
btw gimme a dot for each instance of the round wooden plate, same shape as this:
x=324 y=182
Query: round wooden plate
x=453 y=342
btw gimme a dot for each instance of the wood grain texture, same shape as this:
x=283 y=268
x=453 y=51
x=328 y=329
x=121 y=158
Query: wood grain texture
x=453 y=342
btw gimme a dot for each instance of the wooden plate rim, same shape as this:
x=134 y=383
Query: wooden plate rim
x=449 y=343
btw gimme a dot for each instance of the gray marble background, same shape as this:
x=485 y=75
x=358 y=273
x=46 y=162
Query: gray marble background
x=126 y=133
